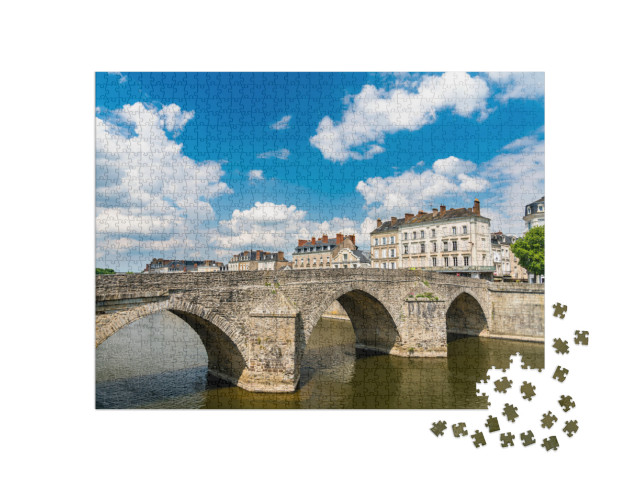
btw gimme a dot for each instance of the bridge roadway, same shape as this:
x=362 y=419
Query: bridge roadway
x=255 y=325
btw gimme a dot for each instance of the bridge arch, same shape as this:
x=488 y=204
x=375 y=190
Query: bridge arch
x=225 y=350
x=466 y=316
x=371 y=318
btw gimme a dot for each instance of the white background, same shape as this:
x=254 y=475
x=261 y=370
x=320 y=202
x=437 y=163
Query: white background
x=50 y=53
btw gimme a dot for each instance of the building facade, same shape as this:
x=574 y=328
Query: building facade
x=272 y=261
x=322 y=253
x=172 y=266
x=454 y=241
x=534 y=214
x=506 y=266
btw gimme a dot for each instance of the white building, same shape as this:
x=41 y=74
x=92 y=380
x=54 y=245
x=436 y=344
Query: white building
x=534 y=214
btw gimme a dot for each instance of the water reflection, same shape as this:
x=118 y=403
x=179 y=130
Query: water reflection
x=159 y=362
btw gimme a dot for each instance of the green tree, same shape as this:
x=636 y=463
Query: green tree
x=530 y=250
x=104 y=271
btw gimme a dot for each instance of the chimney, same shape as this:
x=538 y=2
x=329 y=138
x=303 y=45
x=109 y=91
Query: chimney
x=280 y=255
x=379 y=223
x=407 y=217
x=476 y=207
x=442 y=209
x=301 y=242
x=339 y=238
x=325 y=238
x=435 y=211
x=420 y=212
x=313 y=241
x=258 y=255
x=394 y=220
x=353 y=238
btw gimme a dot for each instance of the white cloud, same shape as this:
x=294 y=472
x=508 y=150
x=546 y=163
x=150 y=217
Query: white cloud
x=412 y=190
x=518 y=85
x=122 y=79
x=276 y=227
x=256 y=175
x=147 y=190
x=517 y=178
x=281 y=154
x=281 y=124
x=376 y=112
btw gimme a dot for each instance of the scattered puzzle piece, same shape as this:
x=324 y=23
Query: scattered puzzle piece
x=459 y=430
x=548 y=420
x=507 y=439
x=502 y=385
x=567 y=403
x=582 y=337
x=511 y=412
x=560 y=374
x=570 y=427
x=478 y=439
x=550 y=443
x=528 y=390
x=561 y=347
x=559 y=310
x=527 y=438
x=492 y=424
x=439 y=428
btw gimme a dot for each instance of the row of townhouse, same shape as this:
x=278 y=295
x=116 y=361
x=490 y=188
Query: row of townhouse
x=258 y=260
x=452 y=241
x=172 y=266
x=329 y=253
x=505 y=263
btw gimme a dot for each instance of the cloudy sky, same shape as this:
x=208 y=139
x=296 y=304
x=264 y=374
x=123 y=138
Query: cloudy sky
x=202 y=166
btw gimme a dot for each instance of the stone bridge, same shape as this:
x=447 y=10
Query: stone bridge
x=255 y=325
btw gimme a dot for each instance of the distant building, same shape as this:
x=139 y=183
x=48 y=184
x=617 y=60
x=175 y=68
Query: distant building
x=455 y=241
x=534 y=214
x=272 y=261
x=506 y=266
x=327 y=253
x=160 y=266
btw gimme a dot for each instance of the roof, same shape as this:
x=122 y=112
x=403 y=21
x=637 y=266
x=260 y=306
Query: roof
x=362 y=256
x=460 y=213
x=331 y=242
x=386 y=226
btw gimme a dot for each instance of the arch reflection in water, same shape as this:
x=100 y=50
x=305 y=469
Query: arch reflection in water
x=160 y=362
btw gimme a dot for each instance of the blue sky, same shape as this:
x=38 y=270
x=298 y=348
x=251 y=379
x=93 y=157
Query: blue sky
x=202 y=166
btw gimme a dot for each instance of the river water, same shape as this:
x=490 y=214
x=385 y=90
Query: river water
x=160 y=362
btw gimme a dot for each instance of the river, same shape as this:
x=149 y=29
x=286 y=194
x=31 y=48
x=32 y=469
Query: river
x=159 y=362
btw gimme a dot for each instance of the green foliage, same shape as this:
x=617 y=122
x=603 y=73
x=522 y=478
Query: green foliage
x=428 y=295
x=425 y=283
x=104 y=271
x=530 y=250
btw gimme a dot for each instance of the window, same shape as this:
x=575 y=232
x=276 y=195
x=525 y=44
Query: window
x=453 y=231
x=446 y=247
x=406 y=236
x=344 y=257
x=455 y=261
x=434 y=261
x=384 y=241
x=392 y=252
x=528 y=210
x=327 y=259
x=421 y=234
x=446 y=262
x=375 y=242
x=414 y=234
x=384 y=265
x=434 y=247
x=433 y=232
x=406 y=248
x=393 y=239
x=540 y=208
x=464 y=229
x=423 y=248
x=454 y=245
x=375 y=253
x=466 y=260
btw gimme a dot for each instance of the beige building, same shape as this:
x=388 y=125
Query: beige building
x=322 y=253
x=453 y=241
x=272 y=261
x=384 y=244
x=506 y=266
x=246 y=261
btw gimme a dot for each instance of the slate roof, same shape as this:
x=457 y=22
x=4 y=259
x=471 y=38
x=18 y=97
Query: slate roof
x=450 y=214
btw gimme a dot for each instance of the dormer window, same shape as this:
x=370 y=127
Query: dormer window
x=528 y=210
x=540 y=208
